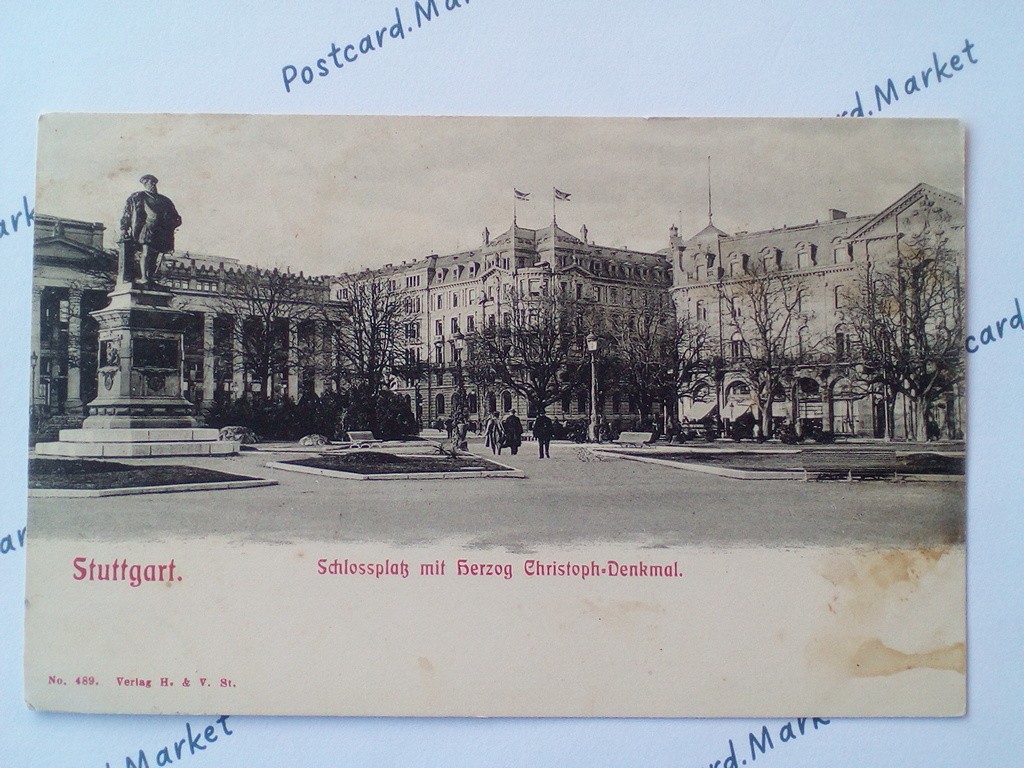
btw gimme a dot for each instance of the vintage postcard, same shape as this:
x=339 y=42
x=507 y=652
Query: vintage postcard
x=427 y=416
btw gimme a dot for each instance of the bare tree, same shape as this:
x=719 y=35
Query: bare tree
x=264 y=305
x=695 y=356
x=764 y=316
x=645 y=350
x=908 y=314
x=536 y=353
x=369 y=333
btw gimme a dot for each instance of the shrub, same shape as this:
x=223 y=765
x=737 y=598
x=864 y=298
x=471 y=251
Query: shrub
x=787 y=434
x=387 y=415
x=572 y=429
x=242 y=435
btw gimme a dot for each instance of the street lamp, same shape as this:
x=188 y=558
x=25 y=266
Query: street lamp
x=34 y=358
x=671 y=404
x=460 y=409
x=459 y=347
x=592 y=347
x=438 y=347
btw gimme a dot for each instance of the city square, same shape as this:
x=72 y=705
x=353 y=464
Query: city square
x=572 y=459
x=563 y=501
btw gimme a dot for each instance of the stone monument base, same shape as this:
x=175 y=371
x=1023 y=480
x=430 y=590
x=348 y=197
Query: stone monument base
x=139 y=411
x=128 y=443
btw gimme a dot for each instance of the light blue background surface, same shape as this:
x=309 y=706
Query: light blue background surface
x=544 y=58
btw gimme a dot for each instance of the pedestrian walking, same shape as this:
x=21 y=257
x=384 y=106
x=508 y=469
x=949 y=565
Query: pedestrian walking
x=512 y=428
x=543 y=431
x=492 y=432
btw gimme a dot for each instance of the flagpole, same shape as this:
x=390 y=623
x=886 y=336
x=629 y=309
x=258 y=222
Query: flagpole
x=554 y=214
x=709 y=189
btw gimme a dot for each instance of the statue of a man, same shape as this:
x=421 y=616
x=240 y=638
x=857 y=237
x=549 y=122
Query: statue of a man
x=147 y=231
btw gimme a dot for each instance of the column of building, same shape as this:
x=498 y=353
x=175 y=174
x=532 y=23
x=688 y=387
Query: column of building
x=237 y=367
x=209 y=358
x=75 y=351
x=315 y=347
x=35 y=341
x=293 y=359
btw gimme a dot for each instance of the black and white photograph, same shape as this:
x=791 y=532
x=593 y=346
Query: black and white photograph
x=498 y=416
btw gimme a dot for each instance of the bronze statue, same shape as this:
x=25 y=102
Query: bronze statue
x=147 y=231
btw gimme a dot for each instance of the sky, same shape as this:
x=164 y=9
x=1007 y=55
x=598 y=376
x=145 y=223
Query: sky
x=333 y=194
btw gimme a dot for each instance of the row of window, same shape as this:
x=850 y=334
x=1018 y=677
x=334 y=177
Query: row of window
x=735 y=308
x=465 y=297
x=454 y=324
x=843 y=344
x=612 y=268
x=182 y=284
x=771 y=259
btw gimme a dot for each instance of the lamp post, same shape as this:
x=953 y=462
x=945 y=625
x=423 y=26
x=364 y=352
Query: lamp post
x=671 y=405
x=592 y=347
x=33 y=388
x=460 y=409
x=459 y=346
x=439 y=362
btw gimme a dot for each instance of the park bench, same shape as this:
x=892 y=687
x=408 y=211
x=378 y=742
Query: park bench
x=847 y=463
x=362 y=439
x=635 y=439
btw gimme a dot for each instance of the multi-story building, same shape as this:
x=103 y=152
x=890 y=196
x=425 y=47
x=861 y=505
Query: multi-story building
x=809 y=282
x=447 y=297
x=454 y=295
x=814 y=272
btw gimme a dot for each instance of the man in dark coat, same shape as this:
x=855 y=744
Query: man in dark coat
x=513 y=429
x=543 y=431
x=147 y=230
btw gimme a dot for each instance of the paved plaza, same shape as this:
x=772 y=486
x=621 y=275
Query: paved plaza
x=572 y=498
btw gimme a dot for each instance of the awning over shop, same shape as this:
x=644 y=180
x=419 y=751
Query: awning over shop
x=733 y=411
x=699 y=411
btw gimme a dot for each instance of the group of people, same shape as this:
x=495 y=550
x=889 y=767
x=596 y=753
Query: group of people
x=507 y=432
x=503 y=432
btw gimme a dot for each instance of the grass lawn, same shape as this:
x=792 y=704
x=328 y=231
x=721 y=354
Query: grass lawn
x=379 y=463
x=93 y=474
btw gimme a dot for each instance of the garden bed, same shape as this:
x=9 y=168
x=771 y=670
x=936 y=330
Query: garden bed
x=755 y=462
x=902 y=464
x=92 y=477
x=378 y=465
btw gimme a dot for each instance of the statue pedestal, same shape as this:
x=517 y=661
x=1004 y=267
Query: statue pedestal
x=140 y=410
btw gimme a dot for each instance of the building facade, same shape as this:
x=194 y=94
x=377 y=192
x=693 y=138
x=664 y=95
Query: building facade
x=453 y=296
x=797 y=298
x=789 y=336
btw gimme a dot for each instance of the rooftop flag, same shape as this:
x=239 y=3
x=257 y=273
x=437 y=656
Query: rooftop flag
x=521 y=195
x=560 y=195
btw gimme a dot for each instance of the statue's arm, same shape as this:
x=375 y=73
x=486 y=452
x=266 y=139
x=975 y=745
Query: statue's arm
x=128 y=215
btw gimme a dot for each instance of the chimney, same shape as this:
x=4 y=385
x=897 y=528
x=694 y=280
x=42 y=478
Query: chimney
x=834 y=214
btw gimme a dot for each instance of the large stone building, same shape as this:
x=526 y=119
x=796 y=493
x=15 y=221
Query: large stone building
x=814 y=271
x=72 y=274
x=454 y=295
x=800 y=291
x=448 y=297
